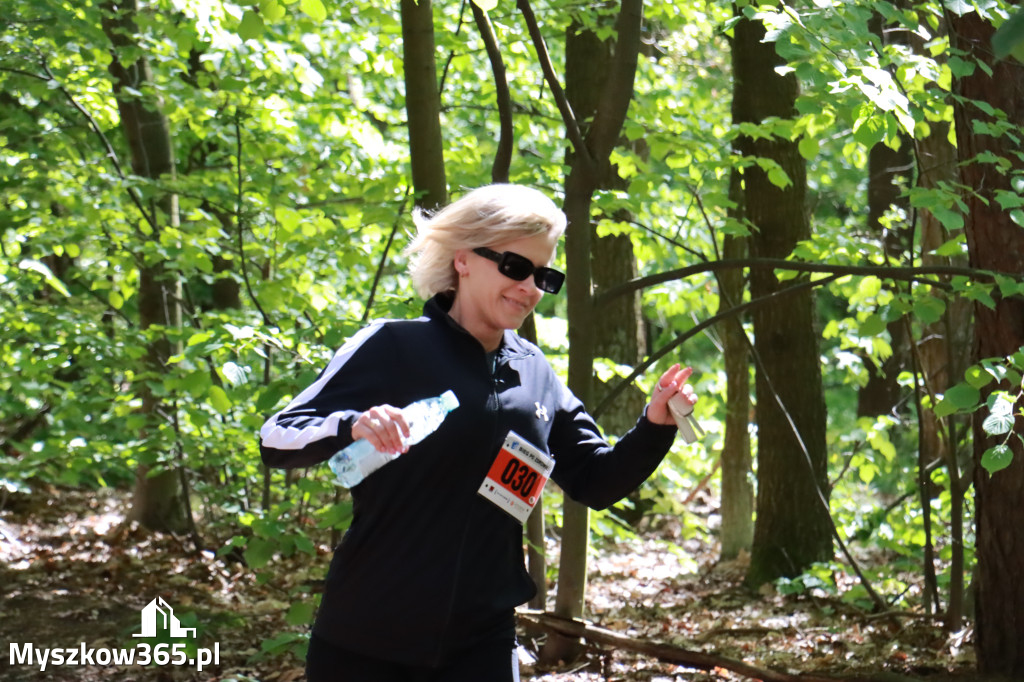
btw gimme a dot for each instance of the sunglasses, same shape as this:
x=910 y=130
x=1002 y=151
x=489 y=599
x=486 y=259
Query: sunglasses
x=517 y=267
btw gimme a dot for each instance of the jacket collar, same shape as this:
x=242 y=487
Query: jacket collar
x=512 y=346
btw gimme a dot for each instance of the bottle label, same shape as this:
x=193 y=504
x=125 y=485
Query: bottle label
x=517 y=477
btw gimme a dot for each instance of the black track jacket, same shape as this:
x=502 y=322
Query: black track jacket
x=428 y=565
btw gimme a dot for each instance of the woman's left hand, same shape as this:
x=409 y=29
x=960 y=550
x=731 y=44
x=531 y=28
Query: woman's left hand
x=671 y=383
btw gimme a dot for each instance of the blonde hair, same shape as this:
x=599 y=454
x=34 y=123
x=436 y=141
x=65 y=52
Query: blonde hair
x=487 y=215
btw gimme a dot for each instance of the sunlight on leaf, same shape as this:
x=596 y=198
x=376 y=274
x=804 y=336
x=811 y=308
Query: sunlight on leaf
x=958 y=7
x=998 y=424
x=486 y=5
x=314 y=9
x=40 y=268
x=234 y=373
x=272 y=10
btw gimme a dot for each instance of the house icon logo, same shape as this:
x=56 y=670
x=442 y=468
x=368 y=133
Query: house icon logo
x=159 y=611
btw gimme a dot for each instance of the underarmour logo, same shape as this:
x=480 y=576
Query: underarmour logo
x=542 y=412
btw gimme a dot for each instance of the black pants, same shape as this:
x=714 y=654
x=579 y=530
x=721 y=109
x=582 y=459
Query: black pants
x=490 y=661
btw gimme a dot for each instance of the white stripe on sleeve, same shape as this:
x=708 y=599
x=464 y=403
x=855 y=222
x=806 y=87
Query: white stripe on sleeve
x=292 y=438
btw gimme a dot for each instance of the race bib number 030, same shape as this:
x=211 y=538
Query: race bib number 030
x=517 y=477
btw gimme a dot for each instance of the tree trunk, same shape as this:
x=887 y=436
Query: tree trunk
x=423 y=104
x=737 y=530
x=158 y=501
x=994 y=242
x=882 y=393
x=944 y=352
x=585 y=176
x=620 y=336
x=793 y=528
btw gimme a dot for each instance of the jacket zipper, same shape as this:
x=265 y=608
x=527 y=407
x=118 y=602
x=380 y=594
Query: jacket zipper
x=492 y=373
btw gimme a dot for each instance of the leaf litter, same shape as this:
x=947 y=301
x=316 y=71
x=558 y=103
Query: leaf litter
x=73 y=572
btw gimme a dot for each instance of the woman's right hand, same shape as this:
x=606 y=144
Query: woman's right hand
x=384 y=427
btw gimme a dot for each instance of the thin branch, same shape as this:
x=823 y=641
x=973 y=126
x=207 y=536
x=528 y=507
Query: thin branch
x=880 y=604
x=503 y=157
x=384 y=256
x=905 y=273
x=572 y=128
x=239 y=230
x=668 y=653
x=690 y=333
x=94 y=126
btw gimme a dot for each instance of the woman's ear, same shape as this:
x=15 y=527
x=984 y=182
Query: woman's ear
x=461 y=262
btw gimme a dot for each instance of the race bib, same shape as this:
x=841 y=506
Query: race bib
x=517 y=477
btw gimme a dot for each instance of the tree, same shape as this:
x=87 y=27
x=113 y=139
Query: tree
x=423 y=104
x=159 y=502
x=989 y=113
x=793 y=528
x=737 y=474
x=591 y=154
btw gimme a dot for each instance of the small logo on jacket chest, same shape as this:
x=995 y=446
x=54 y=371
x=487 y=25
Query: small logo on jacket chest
x=542 y=412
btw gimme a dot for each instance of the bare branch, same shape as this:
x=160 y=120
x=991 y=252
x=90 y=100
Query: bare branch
x=568 y=117
x=690 y=333
x=914 y=274
x=503 y=157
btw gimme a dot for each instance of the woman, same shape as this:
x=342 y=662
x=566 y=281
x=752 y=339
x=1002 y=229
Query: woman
x=426 y=580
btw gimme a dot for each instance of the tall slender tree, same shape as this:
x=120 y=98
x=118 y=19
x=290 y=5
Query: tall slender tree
x=793 y=528
x=423 y=104
x=159 y=498
x=591 y=156
x=991 y=100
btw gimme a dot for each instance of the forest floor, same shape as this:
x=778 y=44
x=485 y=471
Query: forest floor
x=73 y=575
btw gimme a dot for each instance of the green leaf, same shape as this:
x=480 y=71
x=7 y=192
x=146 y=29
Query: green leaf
x=252 y=25
x=963 y=395
x=929 y=309
x=259 y=552
x=951 y=219
x=1009 y=39
x=960 y=398
x=486 y=5
x=219 y=399
x=873 y=325
x=272 y=10
x=808 y=147
x=300 y=613
x=314 y=9
x=337 y=515
x=957 y=246
x=997 y=458
x=778 y=177
x=977 y=377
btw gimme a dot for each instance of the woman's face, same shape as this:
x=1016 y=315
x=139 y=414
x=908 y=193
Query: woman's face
x=486 y=301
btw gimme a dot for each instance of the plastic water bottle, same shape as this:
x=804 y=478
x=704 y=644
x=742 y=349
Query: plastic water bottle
x=360 y=459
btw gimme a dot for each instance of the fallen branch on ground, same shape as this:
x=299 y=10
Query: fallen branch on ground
x=669 y=653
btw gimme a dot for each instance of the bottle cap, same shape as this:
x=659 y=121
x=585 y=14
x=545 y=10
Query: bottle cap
x=449 y=401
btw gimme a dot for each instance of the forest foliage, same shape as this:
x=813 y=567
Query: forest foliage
x=293 y=195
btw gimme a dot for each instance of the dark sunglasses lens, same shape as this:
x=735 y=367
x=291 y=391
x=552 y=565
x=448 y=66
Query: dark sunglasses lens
x=549 y=280
x=514 y=266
